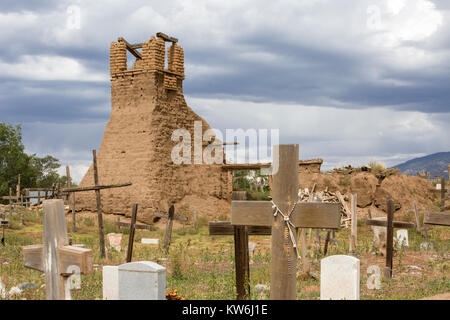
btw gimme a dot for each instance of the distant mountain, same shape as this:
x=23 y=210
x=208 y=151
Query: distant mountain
x=434 y=163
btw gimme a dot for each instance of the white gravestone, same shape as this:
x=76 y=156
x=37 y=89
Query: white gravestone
x=149 y=241
x=438 y=186
x=110 y=283
x=142 y=280
x=339 y=278
x=115 y=240
x=402 y=238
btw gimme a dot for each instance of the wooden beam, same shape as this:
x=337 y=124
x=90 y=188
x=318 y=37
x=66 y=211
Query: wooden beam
x=97 y=187
x=396 y=224
x=435 y=218
x=225 y=228
x=245 y=166
x=136 y=226
x=166 y=38
x=165 y=215
x=130 y=48
x=321 y=215
x=99 y=206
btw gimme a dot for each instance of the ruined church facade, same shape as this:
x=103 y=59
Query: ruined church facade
x=147 y=105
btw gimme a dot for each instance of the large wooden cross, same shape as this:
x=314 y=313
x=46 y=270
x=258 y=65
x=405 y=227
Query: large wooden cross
x=55 y=257
x=390 y=224
x=97 y=189
x=303 y=215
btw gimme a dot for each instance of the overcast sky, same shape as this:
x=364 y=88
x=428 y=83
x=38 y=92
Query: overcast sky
x=351 y=81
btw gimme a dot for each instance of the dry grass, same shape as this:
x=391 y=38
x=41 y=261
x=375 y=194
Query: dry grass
x=200 y=266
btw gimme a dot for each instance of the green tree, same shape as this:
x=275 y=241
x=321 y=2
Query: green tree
x=34 y=171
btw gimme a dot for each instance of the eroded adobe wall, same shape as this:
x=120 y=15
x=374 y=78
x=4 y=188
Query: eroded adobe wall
x=147 y=106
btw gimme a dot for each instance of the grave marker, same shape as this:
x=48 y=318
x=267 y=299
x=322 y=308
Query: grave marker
x=285 y=214
x=339 y=278
x=241 y=251
x=55 y=257
x=390 y=224
x=142 y=280
x=170 y=216
x=402 y=238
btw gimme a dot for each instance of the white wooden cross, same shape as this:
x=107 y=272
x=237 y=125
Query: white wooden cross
x=61 y=263
x=285 y=214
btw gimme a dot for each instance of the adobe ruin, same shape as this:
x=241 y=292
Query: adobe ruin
x=147 y=105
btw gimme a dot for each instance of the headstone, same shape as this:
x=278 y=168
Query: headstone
x=251 y=248
x=402 y=238
x=110 y=283
x=149 y=241
x=374 y=280
x=142 y=280
x=115 y=240
x=379 y=237
x=438 y=186
x=339 y=278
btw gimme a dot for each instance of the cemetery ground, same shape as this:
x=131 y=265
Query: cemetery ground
x=200 y=266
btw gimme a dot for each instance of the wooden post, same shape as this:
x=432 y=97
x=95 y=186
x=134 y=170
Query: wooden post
x=443 y=194
x=325 y=248
x=10 y=202
x=22 y=218
x=195 y=218
x=54 y=237
x=242 y=265
x=71 y=196
x=354 y=230
x=284 y=195
x=18 y=188
x=369 y=214
x=389 y=239
x=168 y=234
x=132 y=229
x=99 y=207
x=304 y=247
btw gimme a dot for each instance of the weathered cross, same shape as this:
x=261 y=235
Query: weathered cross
x=55 y=257
x=390 y=224
x=170 y=216
x=285 y=214
x=97 y=189
x=241 y=252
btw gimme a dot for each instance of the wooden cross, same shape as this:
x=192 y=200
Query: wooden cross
x=132 y=229
x=170 y=216
x=390 y=224
x=55 y=257
x=304 y=215
x=241 y=254
x=97 y=189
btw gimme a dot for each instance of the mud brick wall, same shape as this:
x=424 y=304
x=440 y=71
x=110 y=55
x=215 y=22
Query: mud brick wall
x=136 y=145
x=175 y=55
x=118 y=57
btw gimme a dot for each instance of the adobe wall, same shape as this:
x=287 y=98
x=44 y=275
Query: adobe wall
x=147 y=106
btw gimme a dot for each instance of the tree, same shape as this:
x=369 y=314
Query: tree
x=34 y=171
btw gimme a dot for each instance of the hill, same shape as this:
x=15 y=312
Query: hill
x=434 y=163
